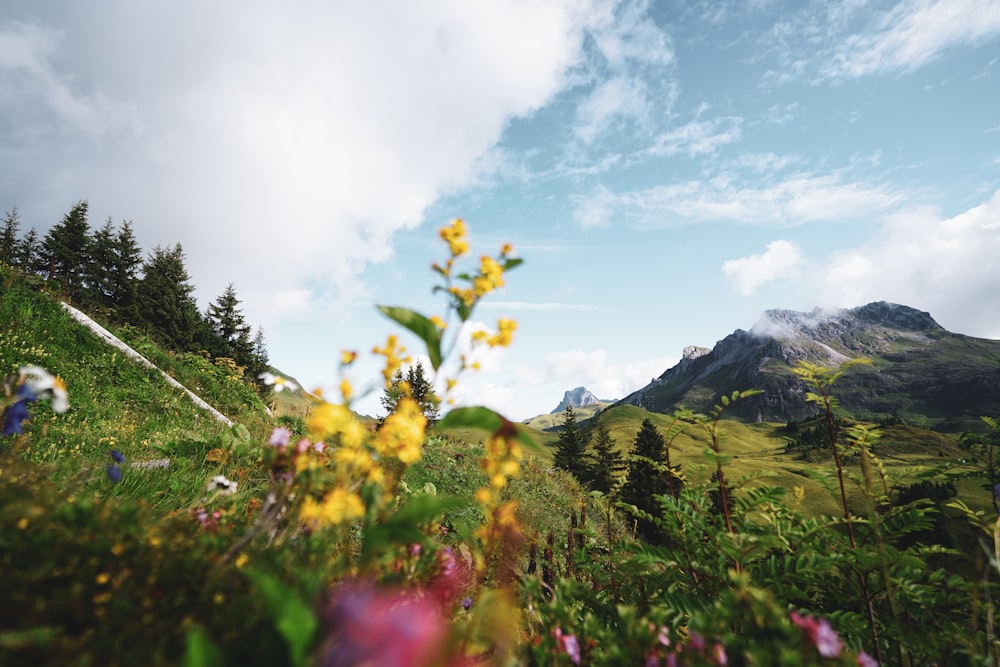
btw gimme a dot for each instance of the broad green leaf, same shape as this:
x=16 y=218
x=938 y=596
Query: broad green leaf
x=512 y=264
x=199 y=650
x=487 y=420
x=421 y=326
x=292 y=617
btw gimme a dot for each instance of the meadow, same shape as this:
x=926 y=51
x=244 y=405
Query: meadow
x=137 y=529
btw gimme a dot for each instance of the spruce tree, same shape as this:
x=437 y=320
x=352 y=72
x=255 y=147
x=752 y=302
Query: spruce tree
x=165 y=302
x=124 y=279
x=645 y=480
x=28 y=255
x=412 y=383
x=65 y=250
x=100 y=265
x=605 y=463
x=8 y=237
x=571 y=447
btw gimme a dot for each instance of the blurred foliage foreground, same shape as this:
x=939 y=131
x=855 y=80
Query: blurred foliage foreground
x=326 y=541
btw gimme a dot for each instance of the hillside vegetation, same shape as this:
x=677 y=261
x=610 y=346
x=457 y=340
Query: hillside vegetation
x=138 y=529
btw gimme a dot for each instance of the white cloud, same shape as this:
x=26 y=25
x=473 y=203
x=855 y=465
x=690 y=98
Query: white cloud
x=799 y=199
x=782 y=259
x=302 y=136
x=592 y=369
x=915 y=32
x=699 y=137
x=620 y=97
x=945 y=266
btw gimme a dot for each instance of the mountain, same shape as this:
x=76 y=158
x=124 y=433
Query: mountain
x=576 y=398
x=920 y=372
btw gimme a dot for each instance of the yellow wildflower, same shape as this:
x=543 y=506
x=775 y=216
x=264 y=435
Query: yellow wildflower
x=490 y=276
x=438 y=322
x=346 y=390
x=328 y=419
x=392 y=352
x=454 y=235
x=347 y=357
x=402 y=433
x=339 y=506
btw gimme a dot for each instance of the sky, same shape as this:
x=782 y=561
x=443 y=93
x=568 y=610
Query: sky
x=667 y=170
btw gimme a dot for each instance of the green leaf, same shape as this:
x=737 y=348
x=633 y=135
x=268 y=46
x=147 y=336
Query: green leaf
x=512 y=264
x=199 y=650
x=292 y=617
x=426 y=330
x=487 y=420
x=404 y=525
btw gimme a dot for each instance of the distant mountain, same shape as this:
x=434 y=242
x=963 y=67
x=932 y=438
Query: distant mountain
x=920 y=372
x=577 y=398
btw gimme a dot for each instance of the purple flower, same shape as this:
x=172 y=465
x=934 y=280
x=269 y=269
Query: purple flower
x=14 y=418
x=865 y=660
x=114 y=473
x=569 y=645
x=467 y=603
x=279 y=438
x=117 y=456
x=821 y=633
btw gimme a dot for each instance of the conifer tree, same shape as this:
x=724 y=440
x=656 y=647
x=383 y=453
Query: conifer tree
x=8 y=237
x=571 y=447
x=644 y=479
x=125 y=273
x=65 y=250
x=412 y=383
x=100 y=265
x=28 y=255
x=165 y=302
x=605 y=463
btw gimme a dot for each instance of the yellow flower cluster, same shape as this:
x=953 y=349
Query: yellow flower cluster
x=503 y=336
x=490 y=276
x=502 y=462
x=455 y=235
x=337 y=507
x=392 y=352
x=402 y=433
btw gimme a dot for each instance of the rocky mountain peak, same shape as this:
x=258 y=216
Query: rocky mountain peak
x=576 y=398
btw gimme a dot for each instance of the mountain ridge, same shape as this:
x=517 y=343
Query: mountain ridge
x=920 y=372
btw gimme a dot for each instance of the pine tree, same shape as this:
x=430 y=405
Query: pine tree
x=413 y=383
x=226 y=317
x=124 y=279
x=28 y=255
x=100 y=265
x=644 y=479
x=65 y=250
x=570 y=448
x=165 y=302
x=260 y=363
x=8 y=237
x=605 y=463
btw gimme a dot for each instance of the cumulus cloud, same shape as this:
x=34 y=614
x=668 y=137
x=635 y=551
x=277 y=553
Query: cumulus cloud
x=782 y=259
x=302 y=136
x=945 y=266
x=593 y=370
x=915 y=32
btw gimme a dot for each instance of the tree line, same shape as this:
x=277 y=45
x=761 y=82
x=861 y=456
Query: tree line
x=648 y=472
x=103 y=271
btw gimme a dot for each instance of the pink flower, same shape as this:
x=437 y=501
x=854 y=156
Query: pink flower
x=821 y=633
x=279 y=438
x=865 y=660
x=569 y=645
x=377 y=626
x=719 y=653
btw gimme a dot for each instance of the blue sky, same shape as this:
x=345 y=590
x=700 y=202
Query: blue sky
x=667 y=170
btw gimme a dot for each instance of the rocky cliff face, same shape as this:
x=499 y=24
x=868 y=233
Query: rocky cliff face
x=920 y=372
x=576 y=398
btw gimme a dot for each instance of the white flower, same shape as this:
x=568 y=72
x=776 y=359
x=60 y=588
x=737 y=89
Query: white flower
x=43 y=384
x=221 y=485
x=279 y=383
